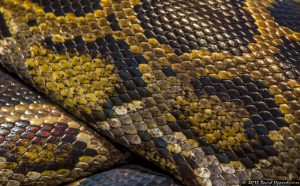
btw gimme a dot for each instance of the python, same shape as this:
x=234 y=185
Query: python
x=207 y=91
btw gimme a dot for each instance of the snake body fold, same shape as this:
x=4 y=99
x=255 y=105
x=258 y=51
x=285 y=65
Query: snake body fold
x=41 y=144
x=206 y=90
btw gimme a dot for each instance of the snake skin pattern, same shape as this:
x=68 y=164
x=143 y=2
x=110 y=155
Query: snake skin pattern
x=42 y=145
x=135 y=176
x=207 y=90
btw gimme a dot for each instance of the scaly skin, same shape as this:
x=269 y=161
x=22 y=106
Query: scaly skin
x=40 y=144
x=207 y=90
x=128 y=175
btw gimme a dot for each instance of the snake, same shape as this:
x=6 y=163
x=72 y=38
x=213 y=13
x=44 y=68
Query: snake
x=205 y=92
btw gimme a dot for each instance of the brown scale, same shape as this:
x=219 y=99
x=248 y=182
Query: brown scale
x=164 y=135
x=194 y=25
x=39 y=141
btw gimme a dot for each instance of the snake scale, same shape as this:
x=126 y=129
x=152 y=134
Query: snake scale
x=206 y=90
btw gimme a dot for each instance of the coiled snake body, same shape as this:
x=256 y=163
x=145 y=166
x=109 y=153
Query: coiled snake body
x=206 y=90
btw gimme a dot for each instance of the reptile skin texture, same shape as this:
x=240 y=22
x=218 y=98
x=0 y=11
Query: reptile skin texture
x=42 y=145
x=128 y=175
x=207 y=90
